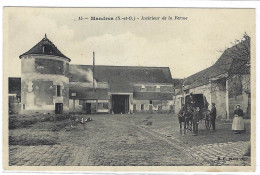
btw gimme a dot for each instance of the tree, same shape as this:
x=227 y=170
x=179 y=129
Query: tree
x=234 y=64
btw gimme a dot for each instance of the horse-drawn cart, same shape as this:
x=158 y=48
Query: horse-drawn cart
x=191 y=103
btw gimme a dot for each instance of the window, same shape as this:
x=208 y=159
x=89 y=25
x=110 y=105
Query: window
x=23 y=106
x=151 y=102
x=142 y=107
x=105 y=105
x=157 y=88
x=100 y=105
x=73 y=94
x=58 y=90
x=143 y=88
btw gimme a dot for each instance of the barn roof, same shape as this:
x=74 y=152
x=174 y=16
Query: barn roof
x=45 y=47
x=120 y=78
x=88 y=93
x=122 y=87
x=122 y=74
x=225 y=64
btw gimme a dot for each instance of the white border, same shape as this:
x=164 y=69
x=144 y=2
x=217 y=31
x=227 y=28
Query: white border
x=138 y=3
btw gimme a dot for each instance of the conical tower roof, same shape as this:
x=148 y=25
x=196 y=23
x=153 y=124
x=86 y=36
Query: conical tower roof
x=45 y=47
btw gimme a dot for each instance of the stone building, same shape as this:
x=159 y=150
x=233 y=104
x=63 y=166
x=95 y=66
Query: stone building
x=50 y=85
x=120 y=89
x=44 y=79
x=226 y=83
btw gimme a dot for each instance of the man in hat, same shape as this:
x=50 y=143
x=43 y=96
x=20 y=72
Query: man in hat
x=195 y=120
x=181 y=115
x=213 y=114
x=190 y=102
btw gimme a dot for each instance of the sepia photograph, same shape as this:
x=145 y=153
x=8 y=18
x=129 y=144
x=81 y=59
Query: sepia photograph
x=126 y=88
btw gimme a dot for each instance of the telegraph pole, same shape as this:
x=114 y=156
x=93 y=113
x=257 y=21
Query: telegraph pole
x=94 y=88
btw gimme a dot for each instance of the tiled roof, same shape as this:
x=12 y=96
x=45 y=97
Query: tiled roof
x=198 y=79
x=224 y=65
x=122 y=87
x=88 y=93
x=177 y=81
x=45 y=47
x=128 y=74
x=120 y=78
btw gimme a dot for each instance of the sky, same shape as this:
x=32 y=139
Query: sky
x=185 y=46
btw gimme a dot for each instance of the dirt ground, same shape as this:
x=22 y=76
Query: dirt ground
x=128 y=140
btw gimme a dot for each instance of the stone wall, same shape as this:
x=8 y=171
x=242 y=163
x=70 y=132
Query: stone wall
x=240 y=93
x=237 y=91
x=218 y=96
x=97 y=106
x=39 y=88
x=178 y=101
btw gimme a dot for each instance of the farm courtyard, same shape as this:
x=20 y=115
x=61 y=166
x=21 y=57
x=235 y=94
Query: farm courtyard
x=122 y=140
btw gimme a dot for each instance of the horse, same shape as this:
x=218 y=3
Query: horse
x=185 y=117
x=188 y=120
x=181 y=120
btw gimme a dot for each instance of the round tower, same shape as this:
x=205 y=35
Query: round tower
x=44 y=79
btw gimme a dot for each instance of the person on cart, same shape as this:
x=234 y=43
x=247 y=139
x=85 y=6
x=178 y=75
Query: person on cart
x=190 y=100
x=190 y=103
x=213 y=114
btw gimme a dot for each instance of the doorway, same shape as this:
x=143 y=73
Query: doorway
x=120 y=104
x=87 y=108
x=58 y=108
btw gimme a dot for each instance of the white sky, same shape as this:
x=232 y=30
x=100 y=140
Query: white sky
x=185 y=46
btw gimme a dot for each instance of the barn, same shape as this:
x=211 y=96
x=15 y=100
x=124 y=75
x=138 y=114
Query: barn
x=120 y=89
x=49 y=84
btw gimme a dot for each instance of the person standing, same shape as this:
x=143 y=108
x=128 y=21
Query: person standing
x=181 y=116
x=195 y=120
x=238 y=125
x=213 y=114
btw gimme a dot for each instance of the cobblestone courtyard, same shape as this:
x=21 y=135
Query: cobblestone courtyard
x=136 y=140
